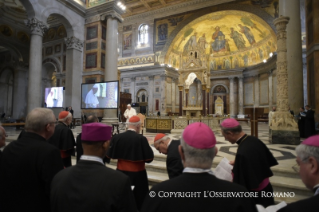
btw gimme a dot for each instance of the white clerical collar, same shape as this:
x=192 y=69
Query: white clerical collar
x=91 y=158
x=316 y=187
x=197 y=170
x=131 y=129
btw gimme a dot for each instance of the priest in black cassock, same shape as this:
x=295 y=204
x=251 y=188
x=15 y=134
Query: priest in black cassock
x=308 y=165
x=252 y=162
x=165 y=145
x=63 y=138
x=197 y=189
x=301 y=122
x=310 y=125
x=29 y=164
x=89 y=185
x=132 y=151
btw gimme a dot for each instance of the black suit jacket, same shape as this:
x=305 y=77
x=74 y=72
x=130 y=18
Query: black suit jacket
x=90 y=186
x=27 y=168
x=174 y=164
x=309 y=205
x=206 y=187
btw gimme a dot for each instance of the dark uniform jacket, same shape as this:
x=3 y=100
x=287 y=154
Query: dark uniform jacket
x=90 y=186
x=174 y=164
x=27 y=168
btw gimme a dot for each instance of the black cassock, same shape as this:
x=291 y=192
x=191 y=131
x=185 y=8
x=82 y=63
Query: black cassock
x=252 y=166
x=301 y=125
x=27 y=168
x=63 y=139
x=174 y=164
x=178 y=194
x=90 y=186
x=310 y=127
x=309 y=205
x=132 y=151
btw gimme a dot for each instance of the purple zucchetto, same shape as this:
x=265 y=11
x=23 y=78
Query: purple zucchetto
x=95 y=132
x=229 y=123
x=199 y=136
x=312 y=141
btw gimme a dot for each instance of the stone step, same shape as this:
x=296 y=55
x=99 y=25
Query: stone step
x=279 y=183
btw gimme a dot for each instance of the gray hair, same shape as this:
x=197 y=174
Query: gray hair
x=234 y=130
x=163 y=139
x=305 y=151
x=198 y=158
x=92 y=119
x=37 y=119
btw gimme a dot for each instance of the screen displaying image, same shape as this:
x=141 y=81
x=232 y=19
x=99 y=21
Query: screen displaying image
x=53 y=97
x=103 y=95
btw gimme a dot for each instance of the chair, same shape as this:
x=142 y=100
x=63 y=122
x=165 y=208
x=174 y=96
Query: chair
x=142 y=118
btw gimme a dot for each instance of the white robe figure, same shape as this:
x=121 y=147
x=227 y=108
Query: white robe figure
x=91 y=100
x=129 y=113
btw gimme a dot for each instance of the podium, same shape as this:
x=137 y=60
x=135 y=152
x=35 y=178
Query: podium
x=254 y=113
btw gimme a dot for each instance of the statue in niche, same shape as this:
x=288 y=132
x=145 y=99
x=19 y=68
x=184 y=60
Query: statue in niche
x=205 y=77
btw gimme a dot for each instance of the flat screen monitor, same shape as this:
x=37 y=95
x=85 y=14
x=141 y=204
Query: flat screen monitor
x=100 y=95
x=53 y=97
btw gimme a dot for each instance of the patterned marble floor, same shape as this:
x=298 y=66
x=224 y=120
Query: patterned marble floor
x=285 y=154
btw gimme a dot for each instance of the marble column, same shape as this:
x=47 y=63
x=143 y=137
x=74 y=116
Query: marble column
x=174 y=81
x=35 y=63
x=111 y=57
x=180 y=88
x=132 y=86
x=270 y=90
x=151 y=109
x=19 y=92
x=240 y=95
x=291 y=9
x=231 y=97
x=73 y=78
x=204 y=100
x=283 y=127
x=163 y=96
x=207 y=100
x=256 y=94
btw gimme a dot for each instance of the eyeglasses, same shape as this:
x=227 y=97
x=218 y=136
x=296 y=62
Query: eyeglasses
x=296 y=167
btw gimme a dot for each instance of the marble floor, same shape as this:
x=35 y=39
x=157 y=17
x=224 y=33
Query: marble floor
x=285 y=179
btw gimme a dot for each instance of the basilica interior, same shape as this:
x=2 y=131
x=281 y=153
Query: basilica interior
x=182 y=58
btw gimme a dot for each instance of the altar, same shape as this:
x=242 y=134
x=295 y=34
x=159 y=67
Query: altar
x=175 y=124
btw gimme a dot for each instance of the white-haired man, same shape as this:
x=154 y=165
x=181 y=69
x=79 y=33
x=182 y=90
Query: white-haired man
x=197 y=189
x=165 y=145
x=132 y=151
x=63 y=138
x=29 y=164
x=308 y=168
x=129 y=112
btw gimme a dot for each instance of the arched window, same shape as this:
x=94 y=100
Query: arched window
x=143 y=35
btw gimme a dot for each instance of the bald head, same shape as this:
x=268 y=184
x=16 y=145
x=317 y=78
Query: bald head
x=2 y=137
x=38 y=118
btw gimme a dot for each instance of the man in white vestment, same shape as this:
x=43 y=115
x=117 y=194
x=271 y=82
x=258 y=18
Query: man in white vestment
x=129 y=112
x=91 y=100
x=50 y=98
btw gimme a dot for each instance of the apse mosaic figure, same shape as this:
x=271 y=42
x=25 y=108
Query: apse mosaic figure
x=249 y=35
x=219 y=40
x=238 y=39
